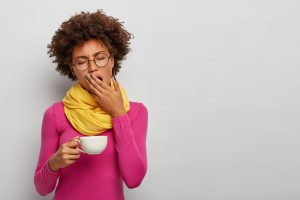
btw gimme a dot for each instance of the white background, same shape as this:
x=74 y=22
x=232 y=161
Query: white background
x=220 y=80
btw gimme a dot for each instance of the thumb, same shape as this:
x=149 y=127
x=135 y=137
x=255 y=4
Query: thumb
x=75 y=138
x=73 y=142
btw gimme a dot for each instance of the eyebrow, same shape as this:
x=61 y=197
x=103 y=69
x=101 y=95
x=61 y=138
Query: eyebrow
x=98 y=52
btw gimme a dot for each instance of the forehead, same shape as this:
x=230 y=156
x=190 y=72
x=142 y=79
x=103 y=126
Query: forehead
x=88 y=48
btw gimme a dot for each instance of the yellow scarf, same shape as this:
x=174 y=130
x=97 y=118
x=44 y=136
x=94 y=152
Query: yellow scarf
x=84 y=113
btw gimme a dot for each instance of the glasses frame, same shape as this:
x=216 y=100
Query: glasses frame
x=74 y=65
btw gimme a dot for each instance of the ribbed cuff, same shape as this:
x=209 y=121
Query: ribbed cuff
x=123 y=132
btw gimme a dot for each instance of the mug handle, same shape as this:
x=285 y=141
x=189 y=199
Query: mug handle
x=78 y=147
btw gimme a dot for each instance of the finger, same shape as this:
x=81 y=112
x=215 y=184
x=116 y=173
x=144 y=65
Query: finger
x=72 y=144
x=100 y=83
x=96 y=89
x=96 y=92
x=71 y=151
x=76 y=138
x=72 y=157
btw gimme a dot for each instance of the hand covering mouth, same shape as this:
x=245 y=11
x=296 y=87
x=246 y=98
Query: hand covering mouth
x=97 y=76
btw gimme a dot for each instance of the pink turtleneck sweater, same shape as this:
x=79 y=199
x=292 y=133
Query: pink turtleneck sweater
x=94 y=177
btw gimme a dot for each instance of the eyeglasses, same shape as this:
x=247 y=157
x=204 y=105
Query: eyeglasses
x=100 y=60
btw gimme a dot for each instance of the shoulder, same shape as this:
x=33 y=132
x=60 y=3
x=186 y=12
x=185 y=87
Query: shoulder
x=55 y=113
x=55 y=108
x=137 y=109
x=138 y=106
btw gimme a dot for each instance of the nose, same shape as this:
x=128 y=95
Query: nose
x=92 y=66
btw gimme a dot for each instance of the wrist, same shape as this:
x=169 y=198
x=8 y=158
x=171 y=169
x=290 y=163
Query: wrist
x=52 y=165
x=119 y=113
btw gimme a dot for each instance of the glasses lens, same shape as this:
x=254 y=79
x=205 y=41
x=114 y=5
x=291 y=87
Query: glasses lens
x=81 y=63
x=101 y=60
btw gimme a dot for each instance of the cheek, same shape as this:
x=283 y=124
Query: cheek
x=107 y=74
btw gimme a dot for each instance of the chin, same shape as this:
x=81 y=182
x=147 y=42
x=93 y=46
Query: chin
x=85 y=87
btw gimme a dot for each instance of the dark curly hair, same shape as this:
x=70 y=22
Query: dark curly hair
x=82 y=27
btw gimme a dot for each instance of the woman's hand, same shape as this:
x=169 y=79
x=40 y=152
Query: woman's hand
x=66 y=155
x=108 y=98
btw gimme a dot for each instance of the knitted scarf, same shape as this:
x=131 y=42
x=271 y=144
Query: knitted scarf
x=85 y=114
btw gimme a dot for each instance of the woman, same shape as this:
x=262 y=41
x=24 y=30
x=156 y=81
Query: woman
x=89 y=48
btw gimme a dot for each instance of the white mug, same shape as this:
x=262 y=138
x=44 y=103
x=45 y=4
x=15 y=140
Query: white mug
x=92 y=144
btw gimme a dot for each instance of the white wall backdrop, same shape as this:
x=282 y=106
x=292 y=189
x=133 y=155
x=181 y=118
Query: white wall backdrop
x=220 y=80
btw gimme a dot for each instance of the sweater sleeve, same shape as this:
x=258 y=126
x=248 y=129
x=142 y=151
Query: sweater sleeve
x=130 y=143
x=44 y=178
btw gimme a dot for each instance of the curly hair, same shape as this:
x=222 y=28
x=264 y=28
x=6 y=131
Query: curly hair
x=82 y=27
